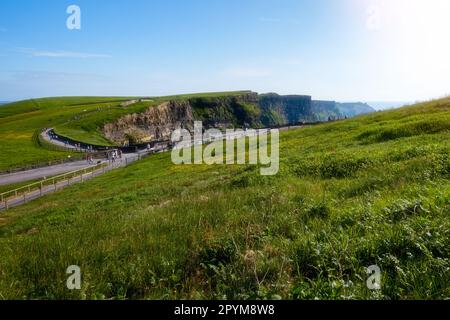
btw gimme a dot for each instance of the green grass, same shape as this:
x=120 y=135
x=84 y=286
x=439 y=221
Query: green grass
x=350 y=194
x=13 y=186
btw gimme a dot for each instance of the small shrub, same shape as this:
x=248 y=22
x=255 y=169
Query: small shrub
x=319 y=210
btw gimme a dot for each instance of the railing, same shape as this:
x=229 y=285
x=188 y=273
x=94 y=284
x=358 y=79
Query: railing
x=44 y=186
x=37 y=189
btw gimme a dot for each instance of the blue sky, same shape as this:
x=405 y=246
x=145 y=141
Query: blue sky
x=345 y=50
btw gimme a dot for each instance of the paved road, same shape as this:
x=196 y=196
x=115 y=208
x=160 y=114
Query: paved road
x=46 y=135
x=55 y=170
x=68 y=167
x=78 y=165
x=26 y=196
x=40 y=173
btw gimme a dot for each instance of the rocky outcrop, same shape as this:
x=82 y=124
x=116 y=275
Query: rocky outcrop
x=156 y=123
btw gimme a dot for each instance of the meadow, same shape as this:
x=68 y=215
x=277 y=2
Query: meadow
x=373 y=190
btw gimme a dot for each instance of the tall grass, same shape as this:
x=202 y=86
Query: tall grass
x=343 y=201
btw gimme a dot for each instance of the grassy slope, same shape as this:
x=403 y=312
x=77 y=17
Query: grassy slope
x=371 y=190
x=75 y=117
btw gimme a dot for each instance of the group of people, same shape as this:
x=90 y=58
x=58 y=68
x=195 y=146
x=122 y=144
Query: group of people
x=89 y=159
x=114 y=155
x=109 y=155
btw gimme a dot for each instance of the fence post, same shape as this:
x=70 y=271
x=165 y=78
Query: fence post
x=40 y=191
x=54 y=184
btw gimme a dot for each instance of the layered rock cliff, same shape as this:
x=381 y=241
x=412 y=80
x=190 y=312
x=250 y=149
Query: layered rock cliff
x=244 y=110
x=156 y=123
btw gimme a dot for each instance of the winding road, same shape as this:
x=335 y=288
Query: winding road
x=49 y=171
x=41 y=173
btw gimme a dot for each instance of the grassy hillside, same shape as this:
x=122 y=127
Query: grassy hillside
x=371 y=190
x=78 y=118
x=86 y=127
x=20 y=121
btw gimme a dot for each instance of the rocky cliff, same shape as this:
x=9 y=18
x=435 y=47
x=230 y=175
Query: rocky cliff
x=332 y=110
x=229 y=111
x=156 y=123
x=283 y=110
x=325 y=110
x=352 y=109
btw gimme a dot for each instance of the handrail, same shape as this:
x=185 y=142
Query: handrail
x=53 y=179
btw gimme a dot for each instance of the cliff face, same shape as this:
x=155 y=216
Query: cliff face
x=332 y=110
x=228 y=111
x=325 y=110
x=233 y=111
x=283 y=110
x=156 y=123
x=352 y=109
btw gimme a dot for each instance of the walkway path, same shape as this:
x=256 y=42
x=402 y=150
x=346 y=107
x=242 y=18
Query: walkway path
x=47 y=189
x=50 y=171
x=40 y=173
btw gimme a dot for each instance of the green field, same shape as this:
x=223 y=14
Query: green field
x=20 y=121
x=78 y=118
x=373 y=190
